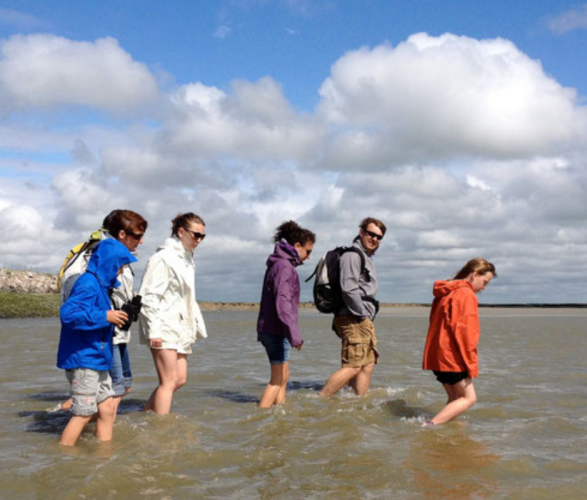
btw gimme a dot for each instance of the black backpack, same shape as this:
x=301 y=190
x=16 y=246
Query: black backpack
x=327 y=291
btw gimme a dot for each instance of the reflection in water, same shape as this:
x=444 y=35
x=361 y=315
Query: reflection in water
x=447 y=464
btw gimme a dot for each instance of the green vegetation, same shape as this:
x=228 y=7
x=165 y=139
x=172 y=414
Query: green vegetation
x=28 y=305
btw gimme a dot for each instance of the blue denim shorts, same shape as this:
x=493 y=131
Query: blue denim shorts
x=120 y=370
x=278 y=348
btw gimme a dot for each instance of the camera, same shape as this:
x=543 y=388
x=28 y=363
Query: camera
x=132 y=309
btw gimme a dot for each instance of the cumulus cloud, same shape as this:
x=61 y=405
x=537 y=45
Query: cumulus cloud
x=444 y=97
x=46 y=71
x=253 y=122
x=462 y=147
x=29 y=232
x=437 y=220
x=570 y=20
x=80 y=194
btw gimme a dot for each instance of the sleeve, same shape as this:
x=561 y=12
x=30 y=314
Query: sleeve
x=80 y=310
x=466 y=330
x=287 y=302
x=153 y=286
x=350 y=274
x=123 y=293
x=201 y=331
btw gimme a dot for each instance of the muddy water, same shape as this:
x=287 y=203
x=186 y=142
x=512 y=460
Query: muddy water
x=525 y=438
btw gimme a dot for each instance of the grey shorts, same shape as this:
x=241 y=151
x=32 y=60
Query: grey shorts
x=88 y=389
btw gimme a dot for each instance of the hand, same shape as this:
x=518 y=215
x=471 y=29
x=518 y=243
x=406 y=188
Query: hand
x=298 y=347
x=155 y=343
x=117 y=318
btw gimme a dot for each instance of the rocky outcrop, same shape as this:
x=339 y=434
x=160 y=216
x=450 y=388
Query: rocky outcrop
x=27 y=282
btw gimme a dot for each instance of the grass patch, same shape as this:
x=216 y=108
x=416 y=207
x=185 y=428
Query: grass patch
x=28 y=305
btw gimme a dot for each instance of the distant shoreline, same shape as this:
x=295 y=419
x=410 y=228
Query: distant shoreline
x=46 y=305
x=26 y=294
x=211 y=306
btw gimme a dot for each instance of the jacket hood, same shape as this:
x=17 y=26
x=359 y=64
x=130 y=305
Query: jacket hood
x=284 y=251
x=107 y=259
x=174 y=244
x=443 y=288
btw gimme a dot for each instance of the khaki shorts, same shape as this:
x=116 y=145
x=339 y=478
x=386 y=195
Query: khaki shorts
x=88 y=389
x=359 y=344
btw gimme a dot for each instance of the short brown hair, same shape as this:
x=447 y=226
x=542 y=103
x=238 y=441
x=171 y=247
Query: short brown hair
x=124 y=220
x=372 y=220
x=476 y=265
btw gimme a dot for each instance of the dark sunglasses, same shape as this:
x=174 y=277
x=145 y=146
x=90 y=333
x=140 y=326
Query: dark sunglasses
x=197 y=236
x=136 y=236
x=374 y=235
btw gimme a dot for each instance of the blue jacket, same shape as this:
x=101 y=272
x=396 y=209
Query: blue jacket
x=278 y=314
x=86 y=336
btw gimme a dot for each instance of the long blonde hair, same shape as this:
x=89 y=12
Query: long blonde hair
x=476 y=265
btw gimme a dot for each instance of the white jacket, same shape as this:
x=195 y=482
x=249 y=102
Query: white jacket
x=121 y=295
x=170 y=311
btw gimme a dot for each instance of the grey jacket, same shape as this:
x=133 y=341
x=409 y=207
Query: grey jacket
x=356 y=287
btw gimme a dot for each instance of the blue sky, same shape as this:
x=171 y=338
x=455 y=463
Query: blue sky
x=296 y=41
x=462 y=124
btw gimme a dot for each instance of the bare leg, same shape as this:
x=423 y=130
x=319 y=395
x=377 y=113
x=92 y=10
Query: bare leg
x=182 y=371
x=116 y=400
x=361 y=382
x=274 y=393
x=105 y=421
x=281 y=394
x=149 y=404
x=461 y=396
x=73 y=429
x=66 y=405
x=338 y=379
x=172 y=374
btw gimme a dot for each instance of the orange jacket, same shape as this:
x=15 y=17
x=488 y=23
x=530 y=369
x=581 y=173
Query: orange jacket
x=453 y=335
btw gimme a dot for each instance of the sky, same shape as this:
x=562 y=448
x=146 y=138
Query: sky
x=461 y=124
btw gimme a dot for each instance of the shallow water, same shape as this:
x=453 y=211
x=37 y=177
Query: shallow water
x=525 y=439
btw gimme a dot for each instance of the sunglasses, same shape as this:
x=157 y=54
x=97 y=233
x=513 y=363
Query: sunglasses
x=374 y=235
x=197 y=236
x=136 y=236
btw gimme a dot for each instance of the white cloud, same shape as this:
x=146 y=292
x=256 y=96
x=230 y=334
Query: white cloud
x=570 y=20
x=444 y=97
x=254 y=122
x=45 y=71
x=462 y=147
x=29 y=239
x=80 y=194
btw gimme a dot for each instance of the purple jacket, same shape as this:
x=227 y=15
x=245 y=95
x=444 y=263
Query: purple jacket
x=280 y=299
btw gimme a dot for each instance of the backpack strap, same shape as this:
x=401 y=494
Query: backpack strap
x=313 y=273
x=88 y=245
x=373 y=300
x=357 y=251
